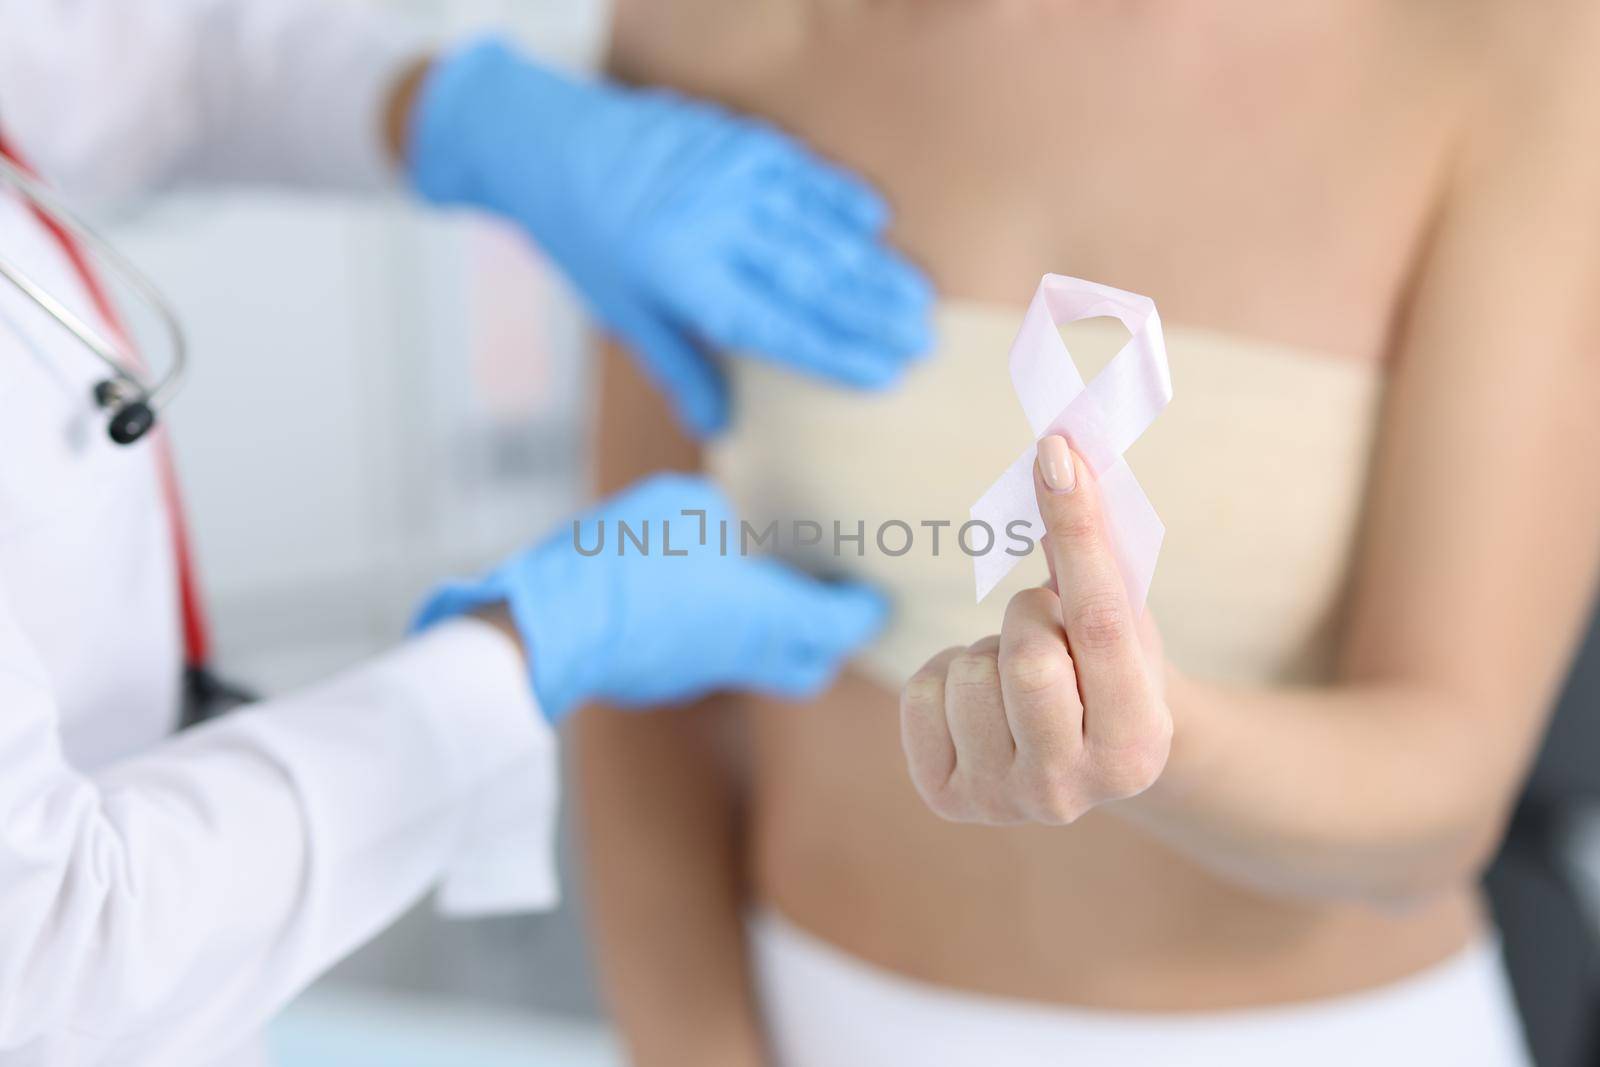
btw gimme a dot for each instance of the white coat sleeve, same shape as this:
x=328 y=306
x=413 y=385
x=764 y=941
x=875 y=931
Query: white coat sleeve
x=162 y=910
x=112 y=98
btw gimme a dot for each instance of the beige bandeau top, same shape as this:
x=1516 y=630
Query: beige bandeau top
x=1257 y=467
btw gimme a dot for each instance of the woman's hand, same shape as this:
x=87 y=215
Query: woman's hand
x=1065 y=709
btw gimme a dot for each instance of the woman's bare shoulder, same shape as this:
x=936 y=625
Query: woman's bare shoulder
x=693 y=45
x=1535 y=109
x=1527 y=49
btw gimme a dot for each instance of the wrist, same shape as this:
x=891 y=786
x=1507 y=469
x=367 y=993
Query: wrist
x=492 y=601
x=497 y=616
x=559 y=611
x=482 y=114
x=556 y=605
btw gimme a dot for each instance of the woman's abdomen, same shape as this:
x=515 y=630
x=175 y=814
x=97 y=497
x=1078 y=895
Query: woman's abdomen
x=1258 y=469
x=1095 y=914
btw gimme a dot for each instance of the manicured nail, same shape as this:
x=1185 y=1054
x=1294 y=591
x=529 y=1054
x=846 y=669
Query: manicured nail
x=1055 y=463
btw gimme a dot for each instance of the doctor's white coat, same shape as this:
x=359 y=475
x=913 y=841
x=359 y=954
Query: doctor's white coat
x=161 y=897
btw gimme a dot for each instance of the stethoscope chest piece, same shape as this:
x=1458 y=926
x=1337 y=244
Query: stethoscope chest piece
x=129 y=400
x=131 y=414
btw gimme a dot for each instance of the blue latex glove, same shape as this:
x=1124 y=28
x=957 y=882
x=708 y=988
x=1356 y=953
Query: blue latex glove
x=640 y=629
x=684 y=227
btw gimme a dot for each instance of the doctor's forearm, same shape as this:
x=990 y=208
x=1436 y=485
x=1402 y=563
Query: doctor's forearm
x=1370 y=792
x=225 y=869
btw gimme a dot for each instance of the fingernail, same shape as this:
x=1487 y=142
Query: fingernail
x=1055 y=463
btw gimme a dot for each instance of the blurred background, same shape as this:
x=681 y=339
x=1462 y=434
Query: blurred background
x=431 y=371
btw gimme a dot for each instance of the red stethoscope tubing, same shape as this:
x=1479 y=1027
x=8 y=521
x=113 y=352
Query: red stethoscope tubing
x=196 y=631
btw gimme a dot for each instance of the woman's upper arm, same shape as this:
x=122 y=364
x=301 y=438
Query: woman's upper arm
x=1483 y=526
x=635 y=432
x=656 y=798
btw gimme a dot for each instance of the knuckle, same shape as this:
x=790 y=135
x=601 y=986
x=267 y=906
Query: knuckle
x=930 y=785
x=946 y=801
x=1124 y=779
x=1077 y=528
x=1033 y=602
x=930 y=767
x=1133 y=768
x=924 y=690
x=1036 y=666
x=1050 y=799
x=1100 y=621
x=995 y=806
x=974 y=670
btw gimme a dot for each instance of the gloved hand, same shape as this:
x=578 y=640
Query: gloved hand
x=682 y=226
x=672 y=623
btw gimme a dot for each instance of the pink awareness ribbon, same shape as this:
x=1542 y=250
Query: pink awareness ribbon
x=1100 y=420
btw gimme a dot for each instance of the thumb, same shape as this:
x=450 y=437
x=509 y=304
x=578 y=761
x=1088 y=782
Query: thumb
x=853 y=615
x=829 y=619
x=800 y=678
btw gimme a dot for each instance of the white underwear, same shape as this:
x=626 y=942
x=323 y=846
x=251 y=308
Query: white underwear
x=824 y=1008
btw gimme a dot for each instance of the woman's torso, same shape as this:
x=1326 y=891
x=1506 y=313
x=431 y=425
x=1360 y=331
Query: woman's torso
x=1260 y=172
x=1263 y=169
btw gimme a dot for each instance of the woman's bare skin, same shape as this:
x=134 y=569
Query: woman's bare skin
x=1275 y=171
x=1265 y=170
